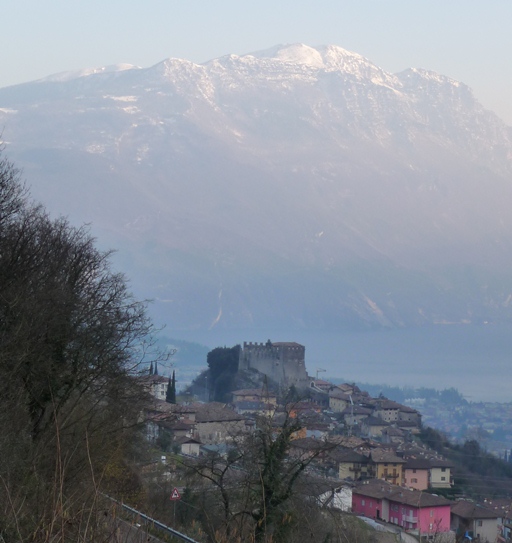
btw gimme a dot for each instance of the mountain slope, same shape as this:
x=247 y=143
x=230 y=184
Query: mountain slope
x=296 y=187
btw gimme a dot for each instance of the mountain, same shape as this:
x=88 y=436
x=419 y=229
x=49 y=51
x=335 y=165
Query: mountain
x=296 y=188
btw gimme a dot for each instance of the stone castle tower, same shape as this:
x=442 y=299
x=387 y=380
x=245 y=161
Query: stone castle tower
x=282 y=362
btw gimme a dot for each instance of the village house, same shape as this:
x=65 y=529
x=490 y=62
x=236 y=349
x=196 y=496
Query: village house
x=373 y=427
x=417 y=473
x=354 y=414
x=156 y=385
x=321 y=386
x=408 y=414
x=307 y=447
x=253 y=408
x=391 y=434
x=503 y=507
x=217 y=423
x=387 y=410
x=303 y=409
x=254 y=395
x=387 y=466
x=476 y=521
x=440 y=473
x=350 y=464
x=188 y=446
x=325 y=492
x=417 y=512
x=338 y=400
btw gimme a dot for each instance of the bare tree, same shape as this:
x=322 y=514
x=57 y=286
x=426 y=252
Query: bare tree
x=70 y=343
x=249 y=493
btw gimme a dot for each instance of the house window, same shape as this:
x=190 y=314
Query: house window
x=414 y=471
x=414 y=480
x=443 y=478
x=443 y=469
x=430 y=526
x=479 y=523
x=370 y=505
x=431 y=512
x=363 y=502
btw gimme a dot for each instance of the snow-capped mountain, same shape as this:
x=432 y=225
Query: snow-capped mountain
x=292 y=187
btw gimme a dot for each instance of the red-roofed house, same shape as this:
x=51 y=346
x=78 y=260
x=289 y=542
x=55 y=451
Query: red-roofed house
x=417 y=512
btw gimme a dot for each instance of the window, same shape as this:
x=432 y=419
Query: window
x=370 y=505
x=431 y=512
x=479 y=523
x=430 y=526
x=414 y=471
x=414 y=480
x=363 y=502
x=443 y=478
x=443 y=469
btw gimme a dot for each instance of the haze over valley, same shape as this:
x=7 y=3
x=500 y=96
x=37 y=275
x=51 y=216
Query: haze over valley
x=298 y=193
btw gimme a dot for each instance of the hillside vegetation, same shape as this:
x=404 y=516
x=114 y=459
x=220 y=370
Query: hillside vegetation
x=71 y=339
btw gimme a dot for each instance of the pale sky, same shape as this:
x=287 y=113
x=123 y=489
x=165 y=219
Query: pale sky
x=468 y=40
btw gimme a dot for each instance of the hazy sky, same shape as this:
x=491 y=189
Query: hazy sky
x=469 y=40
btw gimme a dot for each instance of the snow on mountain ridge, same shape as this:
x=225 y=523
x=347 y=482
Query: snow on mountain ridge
x=296 y=53
x=69 y=75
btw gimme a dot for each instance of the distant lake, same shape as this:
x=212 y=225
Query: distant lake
x=476 y=360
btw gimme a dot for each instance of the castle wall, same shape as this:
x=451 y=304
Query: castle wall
x=281 y=362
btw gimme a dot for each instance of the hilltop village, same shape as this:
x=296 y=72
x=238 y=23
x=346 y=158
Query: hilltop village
x=358 y=454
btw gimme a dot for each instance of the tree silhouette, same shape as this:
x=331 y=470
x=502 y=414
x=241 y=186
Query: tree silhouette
x=170 y=396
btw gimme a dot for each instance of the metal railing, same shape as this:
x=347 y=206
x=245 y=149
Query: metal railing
x=154 y=522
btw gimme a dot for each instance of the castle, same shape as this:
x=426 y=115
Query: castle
x=282 y=362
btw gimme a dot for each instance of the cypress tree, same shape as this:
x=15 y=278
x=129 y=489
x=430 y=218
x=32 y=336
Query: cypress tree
x=170 y=396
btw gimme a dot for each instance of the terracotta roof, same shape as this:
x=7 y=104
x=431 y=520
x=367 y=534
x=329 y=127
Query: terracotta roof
x=388 y=404
x=342 y=454
x=161 y=406
x=184 y=439
x=339 y=394
x=440 y=463
x=310 y=485
x=417 y=463
x=388 y=457
x=471 y=510
x=310 y=444
x=215 y=412
x=376 y=488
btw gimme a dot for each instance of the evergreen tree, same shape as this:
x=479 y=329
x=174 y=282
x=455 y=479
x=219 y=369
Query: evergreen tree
x=170 y=396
